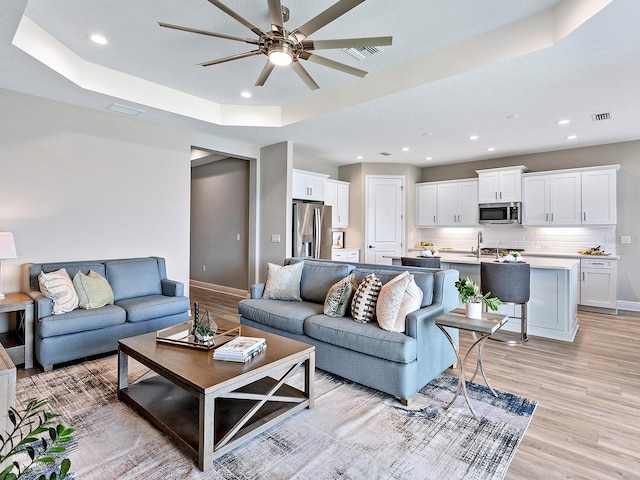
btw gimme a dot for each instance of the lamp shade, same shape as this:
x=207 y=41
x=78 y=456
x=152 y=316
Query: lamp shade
x=7 y=245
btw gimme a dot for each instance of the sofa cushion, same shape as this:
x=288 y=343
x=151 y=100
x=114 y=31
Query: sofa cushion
x=283 y=282
x=58 y=287
x=141 y=309
x=363 y=305
x=318 y=277
x=287 y=316
x=424 y=280
x=389 y=302
x=136 y=277
x=339 y=297
x=80 y=321
x=93 y=290
x=367 y=338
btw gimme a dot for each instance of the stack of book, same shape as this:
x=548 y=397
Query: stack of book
x=240 y=349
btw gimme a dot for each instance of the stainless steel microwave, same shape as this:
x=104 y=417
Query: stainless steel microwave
x=500 y=212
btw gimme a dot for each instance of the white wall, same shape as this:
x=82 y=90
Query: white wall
x=82 y=184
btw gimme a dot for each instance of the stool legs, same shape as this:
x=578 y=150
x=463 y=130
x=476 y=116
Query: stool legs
x=523 y=338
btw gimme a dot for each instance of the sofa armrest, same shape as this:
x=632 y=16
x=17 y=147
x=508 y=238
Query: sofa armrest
x=423 y=319
x=257 y=290
x=43 y=305
x=171 y=288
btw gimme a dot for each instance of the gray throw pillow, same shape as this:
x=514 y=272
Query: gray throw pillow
x=283 y=282
x=339 y=297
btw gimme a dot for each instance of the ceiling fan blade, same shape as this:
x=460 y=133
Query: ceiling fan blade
x=275 y=12
x=304 y=75
x=238 y=17
x=232 y=57
x=266 y=71
x=205 y=32
x=322 y=19
x=310 y=57
x=346 y=43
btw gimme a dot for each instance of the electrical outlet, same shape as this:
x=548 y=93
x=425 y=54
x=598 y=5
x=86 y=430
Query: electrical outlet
x=204 y=268
x=238 y=237
x=275 y=238
x=625 y=239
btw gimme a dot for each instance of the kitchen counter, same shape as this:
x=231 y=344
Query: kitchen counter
x=525 y=254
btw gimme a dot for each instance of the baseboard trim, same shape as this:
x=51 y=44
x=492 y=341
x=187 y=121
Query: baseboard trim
x=626 y=305
x=219 y=288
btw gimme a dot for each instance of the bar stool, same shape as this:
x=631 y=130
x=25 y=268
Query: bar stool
x=511 y=283
x=428 y=262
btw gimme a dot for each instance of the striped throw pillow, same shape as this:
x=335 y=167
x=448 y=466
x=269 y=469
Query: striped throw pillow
x=363 y=305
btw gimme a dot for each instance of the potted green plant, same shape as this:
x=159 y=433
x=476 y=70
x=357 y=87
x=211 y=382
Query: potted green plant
x=473 y=298
x=40 y=439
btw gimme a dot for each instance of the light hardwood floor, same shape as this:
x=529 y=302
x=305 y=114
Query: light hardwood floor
x=587 y=423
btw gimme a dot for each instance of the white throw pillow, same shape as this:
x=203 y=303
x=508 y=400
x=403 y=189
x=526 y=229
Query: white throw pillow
x=411 y=301
x=389 y=301
x=58 y=287
x=283 y=282
x=363 y=305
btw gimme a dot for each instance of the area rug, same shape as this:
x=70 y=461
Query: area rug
x=353 y=432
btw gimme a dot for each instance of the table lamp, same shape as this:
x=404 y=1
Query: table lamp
x=7 y=250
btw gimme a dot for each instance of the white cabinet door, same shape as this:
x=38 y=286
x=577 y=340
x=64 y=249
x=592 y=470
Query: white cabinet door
x=316 y=187
x=468 y=203
x=342 y=220
x=598 y=282
x=308 y=185
x=426 y=205
x=510 y=183
x=535 y=201
x=447 y=207
x=299 y=185
x=331 y=199
x=599 y=197
x=488 y=187
x=565 y=205
x=339 y=255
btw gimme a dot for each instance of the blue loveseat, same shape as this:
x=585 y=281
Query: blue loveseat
x=144 y=301
x=396 y=363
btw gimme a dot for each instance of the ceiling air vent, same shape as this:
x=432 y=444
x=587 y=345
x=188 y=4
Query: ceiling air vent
x=114 y=107
x=386 y=154
x=598 y=117
x=361 y=53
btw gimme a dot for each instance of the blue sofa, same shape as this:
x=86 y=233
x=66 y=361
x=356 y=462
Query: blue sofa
x=396 y=363
x=144 y=301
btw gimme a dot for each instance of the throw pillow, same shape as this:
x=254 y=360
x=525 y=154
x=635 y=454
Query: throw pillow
x=363 y=305
x=58 y=287
x=411 y=301
x=389 y=301
x=339 y=297
x=283 y=282
x=93 y=290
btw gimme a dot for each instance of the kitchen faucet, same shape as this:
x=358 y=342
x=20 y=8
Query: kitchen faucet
x=480 y=240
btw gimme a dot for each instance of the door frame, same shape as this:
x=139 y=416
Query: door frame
x=365 y=246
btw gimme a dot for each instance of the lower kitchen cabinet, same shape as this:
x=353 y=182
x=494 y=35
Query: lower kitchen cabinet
x=599 y=283
x=346 y=255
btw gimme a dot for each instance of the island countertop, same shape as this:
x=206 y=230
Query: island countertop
x=557 y=263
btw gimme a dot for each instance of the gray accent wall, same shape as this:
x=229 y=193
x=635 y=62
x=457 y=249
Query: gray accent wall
x=220 y=222
x=626 y=154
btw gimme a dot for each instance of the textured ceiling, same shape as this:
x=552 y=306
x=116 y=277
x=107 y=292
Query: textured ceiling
x=456 y=68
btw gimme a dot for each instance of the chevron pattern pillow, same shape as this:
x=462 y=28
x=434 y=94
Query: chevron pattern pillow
x=363 y=305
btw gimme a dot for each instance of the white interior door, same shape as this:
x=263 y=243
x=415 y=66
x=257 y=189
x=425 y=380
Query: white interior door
x=384 y=217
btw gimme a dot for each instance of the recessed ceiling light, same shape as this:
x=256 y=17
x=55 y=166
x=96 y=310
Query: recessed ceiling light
x=405 y=149
x=571 y=137
x=513 y=116
x=359 y=157
x=474 y=137
x=428 y=158
x=246 y=94
x=563 y=122
x=427 y=134
x=97 y=38
x=491 y=149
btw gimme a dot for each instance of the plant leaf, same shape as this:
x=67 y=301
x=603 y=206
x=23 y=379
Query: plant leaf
x=65 y=465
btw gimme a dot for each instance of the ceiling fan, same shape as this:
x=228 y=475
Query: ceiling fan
x=284 y=47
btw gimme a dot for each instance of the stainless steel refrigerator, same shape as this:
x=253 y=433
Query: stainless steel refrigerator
x=312 y=230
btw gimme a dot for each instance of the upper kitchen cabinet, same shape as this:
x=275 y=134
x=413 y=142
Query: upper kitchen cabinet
x=458 y=203
x=337 y=195
x=599 y=196
x=308 y=185
x=500 y=184
x=426 y=205
x=570 y=197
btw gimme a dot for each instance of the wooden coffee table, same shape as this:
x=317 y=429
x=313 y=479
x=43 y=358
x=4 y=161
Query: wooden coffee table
x=209 y=406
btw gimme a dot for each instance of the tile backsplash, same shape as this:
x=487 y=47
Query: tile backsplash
x=538 y=239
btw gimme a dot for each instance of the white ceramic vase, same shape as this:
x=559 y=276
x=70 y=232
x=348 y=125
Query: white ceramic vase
x=474 y=310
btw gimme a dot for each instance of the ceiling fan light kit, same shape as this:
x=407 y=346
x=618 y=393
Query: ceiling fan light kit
x=283 y=47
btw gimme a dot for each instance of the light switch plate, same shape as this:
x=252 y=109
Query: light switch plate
x=275 y=238
x=625 y=239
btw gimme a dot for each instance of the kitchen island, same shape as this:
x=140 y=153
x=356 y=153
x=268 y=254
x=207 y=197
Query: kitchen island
x=553 y=306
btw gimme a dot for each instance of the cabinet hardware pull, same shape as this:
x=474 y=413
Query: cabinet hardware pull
x=546 y=217
x=584 y=216
x=500 y=195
